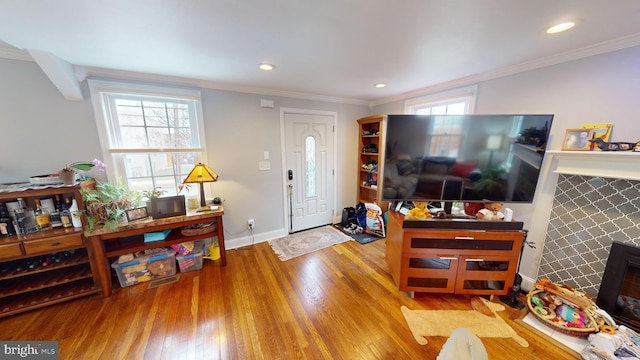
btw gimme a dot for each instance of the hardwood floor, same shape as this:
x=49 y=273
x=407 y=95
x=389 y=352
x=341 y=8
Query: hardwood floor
x=337 y=303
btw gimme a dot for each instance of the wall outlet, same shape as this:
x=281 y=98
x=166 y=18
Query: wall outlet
x=251 y=223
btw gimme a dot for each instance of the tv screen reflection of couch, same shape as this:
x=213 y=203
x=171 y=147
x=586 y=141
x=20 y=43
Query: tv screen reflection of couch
x=427 y=178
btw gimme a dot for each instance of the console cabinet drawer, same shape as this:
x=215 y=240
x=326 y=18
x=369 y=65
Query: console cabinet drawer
x=463 y=243
x=10 y=250
x=445 y=260
x=52 y=244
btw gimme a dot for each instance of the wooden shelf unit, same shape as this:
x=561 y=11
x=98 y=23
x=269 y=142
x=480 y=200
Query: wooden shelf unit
x=370 y=131
x=129 y=244
x=24 y=287
x=442 y=260
x=106 y=245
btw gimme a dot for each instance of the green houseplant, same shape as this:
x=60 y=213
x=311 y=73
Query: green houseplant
x=152 y=196
x=107 y=203
x=68 y=173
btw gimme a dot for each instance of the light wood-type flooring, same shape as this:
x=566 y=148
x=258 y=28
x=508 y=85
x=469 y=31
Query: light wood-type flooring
x=336 y=303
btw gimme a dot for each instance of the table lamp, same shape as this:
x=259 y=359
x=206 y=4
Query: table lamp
x=200 y=174
x=494 y=142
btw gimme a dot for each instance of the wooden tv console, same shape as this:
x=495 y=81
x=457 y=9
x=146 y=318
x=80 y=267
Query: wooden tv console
x=451 y=256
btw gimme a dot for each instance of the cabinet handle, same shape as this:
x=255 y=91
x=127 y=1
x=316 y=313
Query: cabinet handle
x=464 y=238
x=448 y=257
x=473 y=259
x=55 y=243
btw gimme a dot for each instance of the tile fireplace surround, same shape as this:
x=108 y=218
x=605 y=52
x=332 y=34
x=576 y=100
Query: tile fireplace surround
x=597 y=201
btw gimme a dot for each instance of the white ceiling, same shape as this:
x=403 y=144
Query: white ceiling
x=333 y=48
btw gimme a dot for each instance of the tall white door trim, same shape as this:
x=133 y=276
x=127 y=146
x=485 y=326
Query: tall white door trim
x=285 y=182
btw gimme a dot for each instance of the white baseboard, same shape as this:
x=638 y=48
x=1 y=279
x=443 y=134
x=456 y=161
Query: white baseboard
x=256 y=238
x=527 y=283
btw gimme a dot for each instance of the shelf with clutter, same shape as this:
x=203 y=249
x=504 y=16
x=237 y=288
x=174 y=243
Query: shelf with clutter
x=43 y=257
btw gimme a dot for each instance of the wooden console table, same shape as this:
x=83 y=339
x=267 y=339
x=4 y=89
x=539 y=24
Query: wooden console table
x=104 y=244
x=443 y=259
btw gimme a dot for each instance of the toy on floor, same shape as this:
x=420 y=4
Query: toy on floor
x=353 y=229
x=570 y=311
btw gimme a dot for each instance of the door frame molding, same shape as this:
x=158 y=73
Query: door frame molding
x=285 y=189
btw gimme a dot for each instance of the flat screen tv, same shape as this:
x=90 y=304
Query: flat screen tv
x=469 y=158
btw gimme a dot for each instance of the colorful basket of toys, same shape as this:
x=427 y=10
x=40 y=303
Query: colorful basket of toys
x=564 y=309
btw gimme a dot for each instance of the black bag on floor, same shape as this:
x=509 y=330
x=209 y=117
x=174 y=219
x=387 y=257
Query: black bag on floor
x=361 y=215
x=348 y=216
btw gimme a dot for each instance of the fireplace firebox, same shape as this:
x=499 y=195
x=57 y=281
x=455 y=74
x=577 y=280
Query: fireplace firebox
x=619 y=293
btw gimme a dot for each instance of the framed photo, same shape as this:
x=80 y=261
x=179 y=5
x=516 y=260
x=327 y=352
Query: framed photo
x=168 y=206
x=137 y=213
x=600 y=131
x=577 y=139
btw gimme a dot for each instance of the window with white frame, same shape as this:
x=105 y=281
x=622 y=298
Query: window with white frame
x=446 y=133
x=150 y=136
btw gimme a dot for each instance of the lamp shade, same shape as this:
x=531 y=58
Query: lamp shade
x=201 y=173
x=494 y=142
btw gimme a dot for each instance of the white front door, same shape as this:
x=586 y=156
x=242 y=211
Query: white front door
x=309 y=168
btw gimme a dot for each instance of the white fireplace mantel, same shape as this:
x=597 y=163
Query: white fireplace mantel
x=608 y=164
x=605 y=164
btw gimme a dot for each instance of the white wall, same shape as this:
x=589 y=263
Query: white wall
x=239 y=131
x=601 y=88
x=40 y=132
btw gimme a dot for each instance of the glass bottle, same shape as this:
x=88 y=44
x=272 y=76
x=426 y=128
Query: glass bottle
x=56 y=221
x=43 y=219
x=75 y=214
x=65 y=214
x=6 y=222
x=25 y=217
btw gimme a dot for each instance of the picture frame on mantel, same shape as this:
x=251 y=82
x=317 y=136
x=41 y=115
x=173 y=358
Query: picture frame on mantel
x=577 y=139
x=600 y=131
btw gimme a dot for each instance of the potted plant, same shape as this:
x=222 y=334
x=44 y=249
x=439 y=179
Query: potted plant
x=107 y=203
x=68 y=173
x=152 y=197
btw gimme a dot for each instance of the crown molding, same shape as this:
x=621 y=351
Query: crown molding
x=567 y=56
x=14 y=54
x=205 y=84
x=584 y=52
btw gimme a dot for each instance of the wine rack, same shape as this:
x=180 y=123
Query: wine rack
x=46 y=267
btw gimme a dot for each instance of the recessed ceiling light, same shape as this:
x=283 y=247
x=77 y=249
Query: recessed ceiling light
x=380 y=85
x=564 y=26
x=266 y=67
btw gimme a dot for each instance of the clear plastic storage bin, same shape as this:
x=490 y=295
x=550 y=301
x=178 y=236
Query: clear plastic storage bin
x=192 y=261
x=146 y=268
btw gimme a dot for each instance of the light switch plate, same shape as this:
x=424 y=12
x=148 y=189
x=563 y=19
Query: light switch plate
x=264 y=165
